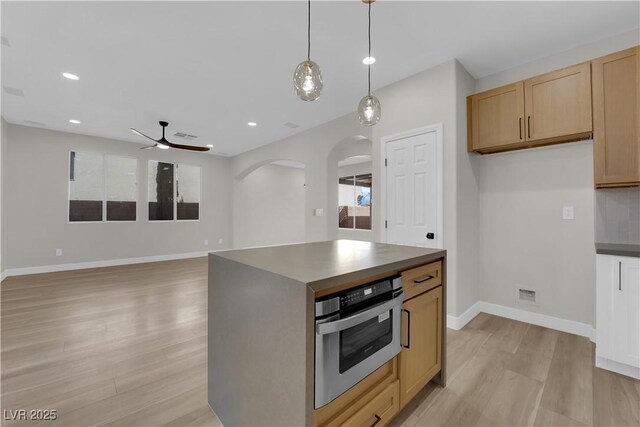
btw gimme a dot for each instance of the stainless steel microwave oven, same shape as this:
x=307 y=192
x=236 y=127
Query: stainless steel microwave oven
x=356 y=332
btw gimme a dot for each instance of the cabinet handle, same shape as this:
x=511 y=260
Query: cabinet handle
x=619 y=275
x=423 y=279
x=378 y=419
x=520 y=126
x=404 y=310
x=528 y=126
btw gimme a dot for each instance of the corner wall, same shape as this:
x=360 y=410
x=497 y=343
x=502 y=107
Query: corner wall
x=35 y=198
x=268 y=206
x=524 y=242
x=438 y=95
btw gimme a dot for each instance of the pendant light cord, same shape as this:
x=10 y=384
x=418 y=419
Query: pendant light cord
x=369 y=65
x=308 y=30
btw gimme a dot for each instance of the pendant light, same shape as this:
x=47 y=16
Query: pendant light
x=307 y=78
x=369 y=107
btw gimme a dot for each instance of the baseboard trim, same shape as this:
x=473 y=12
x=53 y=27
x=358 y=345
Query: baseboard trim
x=97 y=264
x=459 y=322
x=557 y=323
x=620 y=368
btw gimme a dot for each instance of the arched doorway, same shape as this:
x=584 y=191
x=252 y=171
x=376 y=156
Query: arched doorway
x=269 y=204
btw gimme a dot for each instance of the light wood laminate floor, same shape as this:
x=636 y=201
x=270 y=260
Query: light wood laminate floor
x=126 y=346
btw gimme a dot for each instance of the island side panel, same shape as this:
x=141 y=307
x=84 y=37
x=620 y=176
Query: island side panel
x=258 y=346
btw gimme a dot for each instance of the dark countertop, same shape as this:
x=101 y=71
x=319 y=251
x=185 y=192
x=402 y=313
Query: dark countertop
x=619 y=249
x=323 y=265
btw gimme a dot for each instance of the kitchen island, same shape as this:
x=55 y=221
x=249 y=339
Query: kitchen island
x=262 y=330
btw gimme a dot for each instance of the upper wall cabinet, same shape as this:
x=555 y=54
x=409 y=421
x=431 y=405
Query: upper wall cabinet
x=497 y=117
x=616 y=119
x=558 y=105
x=547 y=109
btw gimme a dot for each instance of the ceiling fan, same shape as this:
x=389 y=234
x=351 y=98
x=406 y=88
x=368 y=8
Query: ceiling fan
x=164 y=144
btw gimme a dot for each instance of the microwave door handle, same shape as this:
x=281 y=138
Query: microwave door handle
x=356 y=319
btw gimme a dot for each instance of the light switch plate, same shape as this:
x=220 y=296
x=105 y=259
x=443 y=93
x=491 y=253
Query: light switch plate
x=567 y=212
x=318 y=212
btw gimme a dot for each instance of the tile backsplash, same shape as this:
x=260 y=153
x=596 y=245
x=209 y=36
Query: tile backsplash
x=618 y=215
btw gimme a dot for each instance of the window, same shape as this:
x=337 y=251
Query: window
x=122 y=188
x=102 y=187
x=168 y=201
x=354 y=202
x=160 y=191
x=188 y=192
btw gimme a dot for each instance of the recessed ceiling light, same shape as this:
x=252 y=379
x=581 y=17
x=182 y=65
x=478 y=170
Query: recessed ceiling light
x=74 y=121
x=252 y=124
x=210 y=145
x=71 y=76
x=369 y=60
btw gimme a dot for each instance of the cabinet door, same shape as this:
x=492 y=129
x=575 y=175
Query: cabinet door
x=626 y=305
x=497 y=117
x=420 y=358
x=558 y=104
x=616 y=122
x=618 y=307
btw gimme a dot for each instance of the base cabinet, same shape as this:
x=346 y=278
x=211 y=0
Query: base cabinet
x=375 y=400
x=380 y=410
x=617 y=314
x=420 y=359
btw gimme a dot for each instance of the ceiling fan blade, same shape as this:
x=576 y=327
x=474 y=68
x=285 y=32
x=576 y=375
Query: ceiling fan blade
x=185 y=147
x=148 y=147
x=142 y=134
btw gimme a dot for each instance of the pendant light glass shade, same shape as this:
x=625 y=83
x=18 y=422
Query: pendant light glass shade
x=307 y=80
x=369 y=107
x=369 y=110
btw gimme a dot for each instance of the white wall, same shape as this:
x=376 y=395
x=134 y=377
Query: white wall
x=34 y=208
x=3 y=141
x=313 y=148
x=268 y=207
x=436 y=96
x=523 y=240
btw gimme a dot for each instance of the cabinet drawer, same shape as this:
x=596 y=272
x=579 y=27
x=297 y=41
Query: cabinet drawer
x=380 y=410
x=421 y=279
x=356 y=398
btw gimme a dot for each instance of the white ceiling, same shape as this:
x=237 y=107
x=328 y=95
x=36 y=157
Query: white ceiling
x=210 y=67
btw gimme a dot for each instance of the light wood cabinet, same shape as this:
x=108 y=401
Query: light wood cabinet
x=497 y=117
x=616 y=119
x=363 y=401
x=558 y=104
x=421 y=279
x=421 y=356
x=547 y=109
x=378 y=411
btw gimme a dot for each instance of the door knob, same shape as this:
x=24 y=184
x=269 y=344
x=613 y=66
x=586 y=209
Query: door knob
x=431 y=236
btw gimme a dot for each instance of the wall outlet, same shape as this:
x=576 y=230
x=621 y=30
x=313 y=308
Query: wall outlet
x=206 y=242
x=58 y=252
x=567 y=212
x=318 y=212
x=220 y=241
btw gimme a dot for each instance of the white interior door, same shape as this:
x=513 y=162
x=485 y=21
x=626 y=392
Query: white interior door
x=413 y=200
